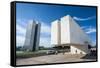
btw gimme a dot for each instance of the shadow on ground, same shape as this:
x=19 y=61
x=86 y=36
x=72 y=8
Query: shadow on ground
x=89 y=56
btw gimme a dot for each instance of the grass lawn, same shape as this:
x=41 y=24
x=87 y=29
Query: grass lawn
x=23 y=54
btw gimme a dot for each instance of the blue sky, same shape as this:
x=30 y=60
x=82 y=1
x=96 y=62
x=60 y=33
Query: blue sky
x=45 y=14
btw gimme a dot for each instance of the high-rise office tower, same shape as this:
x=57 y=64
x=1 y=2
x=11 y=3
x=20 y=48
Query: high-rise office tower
x=32 y=36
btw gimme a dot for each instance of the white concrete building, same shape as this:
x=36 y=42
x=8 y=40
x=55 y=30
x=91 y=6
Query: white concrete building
x=66 y=32
x=55 y=33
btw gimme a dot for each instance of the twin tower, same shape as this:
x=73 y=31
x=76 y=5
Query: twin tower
x=32 y=36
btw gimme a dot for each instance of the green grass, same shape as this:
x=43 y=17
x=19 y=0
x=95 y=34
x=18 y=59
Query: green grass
x=22 y=54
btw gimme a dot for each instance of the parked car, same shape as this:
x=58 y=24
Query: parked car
x=50 y=52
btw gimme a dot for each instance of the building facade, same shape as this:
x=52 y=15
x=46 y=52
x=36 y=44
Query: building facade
x=55 y=33
x=32 y=36
x=71 y=35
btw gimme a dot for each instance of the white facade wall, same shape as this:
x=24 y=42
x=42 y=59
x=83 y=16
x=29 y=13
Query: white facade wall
x=55 y=33
x=65 y=30
x=79 y=49
x=77 y=35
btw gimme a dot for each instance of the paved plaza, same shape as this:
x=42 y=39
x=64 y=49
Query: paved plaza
x=59 y=58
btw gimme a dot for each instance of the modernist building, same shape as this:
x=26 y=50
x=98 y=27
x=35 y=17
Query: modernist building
x=66 y=32
x=56 y=33
x=32 y=36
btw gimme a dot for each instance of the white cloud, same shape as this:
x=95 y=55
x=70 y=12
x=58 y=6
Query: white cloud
x=22 y=22
x=45 y=41
x=83 y=27
x=20 y=40
x=94 y=42
x=21 y=30
x=90 y=30
x=45 y=35
x=45 y=28
x=83 y=19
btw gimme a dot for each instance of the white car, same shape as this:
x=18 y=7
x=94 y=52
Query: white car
x=50 y=52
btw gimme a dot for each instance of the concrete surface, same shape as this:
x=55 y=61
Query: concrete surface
x=59 y=58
